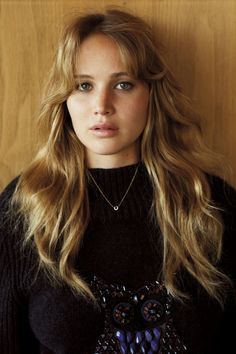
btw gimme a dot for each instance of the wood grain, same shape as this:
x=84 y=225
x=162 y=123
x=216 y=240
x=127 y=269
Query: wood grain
x=199 y=38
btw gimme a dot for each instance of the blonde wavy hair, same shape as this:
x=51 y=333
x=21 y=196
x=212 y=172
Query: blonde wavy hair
x=52 y=191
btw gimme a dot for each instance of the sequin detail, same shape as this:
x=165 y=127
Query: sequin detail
x=136 y=321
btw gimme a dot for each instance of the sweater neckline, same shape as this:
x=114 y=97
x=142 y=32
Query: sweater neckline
x=113 y=169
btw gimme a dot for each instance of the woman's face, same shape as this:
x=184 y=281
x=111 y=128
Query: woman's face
x=109 y=107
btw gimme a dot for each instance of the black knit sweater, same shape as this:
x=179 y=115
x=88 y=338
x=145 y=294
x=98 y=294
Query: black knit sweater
x=39 y=317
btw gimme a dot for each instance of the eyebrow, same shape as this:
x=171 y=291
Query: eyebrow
x=113 y=75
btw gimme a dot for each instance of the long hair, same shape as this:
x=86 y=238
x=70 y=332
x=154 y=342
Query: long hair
x=52 y=191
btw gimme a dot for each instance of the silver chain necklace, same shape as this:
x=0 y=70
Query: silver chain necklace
x=115 y=207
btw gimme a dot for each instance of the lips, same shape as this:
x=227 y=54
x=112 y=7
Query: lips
x=104 y=130
x=103 y=127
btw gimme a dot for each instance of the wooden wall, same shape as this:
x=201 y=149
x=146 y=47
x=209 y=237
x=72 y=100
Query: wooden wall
x=200 y=41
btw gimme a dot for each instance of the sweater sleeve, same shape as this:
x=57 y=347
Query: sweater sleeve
x=13 y=271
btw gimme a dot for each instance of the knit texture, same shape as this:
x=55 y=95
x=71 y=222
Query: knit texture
x=38 y=317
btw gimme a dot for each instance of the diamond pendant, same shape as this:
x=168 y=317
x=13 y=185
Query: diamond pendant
x=116 y=207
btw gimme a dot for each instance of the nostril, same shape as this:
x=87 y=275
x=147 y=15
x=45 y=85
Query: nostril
x=102 y=112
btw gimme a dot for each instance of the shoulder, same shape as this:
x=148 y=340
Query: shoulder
x=7 y=211
x=221 y=189
x=7 y=193
x=223 y=195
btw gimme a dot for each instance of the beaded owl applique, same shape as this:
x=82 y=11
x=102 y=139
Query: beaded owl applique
x=136 y=322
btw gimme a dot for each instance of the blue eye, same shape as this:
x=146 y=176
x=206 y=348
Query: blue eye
x=125 y=85
x=84 y=86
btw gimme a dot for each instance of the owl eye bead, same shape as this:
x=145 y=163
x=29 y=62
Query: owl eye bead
x=123 y=313
x=152 y=310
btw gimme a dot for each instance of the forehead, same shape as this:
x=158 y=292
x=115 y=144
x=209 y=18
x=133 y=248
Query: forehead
x=98 y=52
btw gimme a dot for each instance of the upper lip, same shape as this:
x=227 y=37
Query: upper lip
x=104 y=126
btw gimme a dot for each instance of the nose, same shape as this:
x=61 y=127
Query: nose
x=103 y=103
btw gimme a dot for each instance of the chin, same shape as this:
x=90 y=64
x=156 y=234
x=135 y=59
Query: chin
x=106 y=150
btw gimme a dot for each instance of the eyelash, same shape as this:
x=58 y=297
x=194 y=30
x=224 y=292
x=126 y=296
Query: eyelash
x=128 y=87
x=79 y=87
x=127 y=83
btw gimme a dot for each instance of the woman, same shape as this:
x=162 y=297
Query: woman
x=117 y=238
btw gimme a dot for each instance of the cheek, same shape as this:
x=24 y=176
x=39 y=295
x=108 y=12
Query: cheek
x=74 y=114
x=71 y=106
x=138 y=109
x=143 y=101
x=76 y=110
x=142 y=108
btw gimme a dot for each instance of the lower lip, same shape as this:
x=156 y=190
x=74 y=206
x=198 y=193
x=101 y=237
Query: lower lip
x=104 y=133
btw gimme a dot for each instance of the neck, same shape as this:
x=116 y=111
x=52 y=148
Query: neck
x=109 y=161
